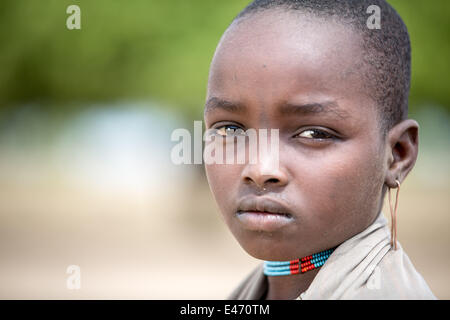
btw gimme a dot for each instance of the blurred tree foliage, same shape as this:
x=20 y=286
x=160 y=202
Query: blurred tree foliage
x=142 y=49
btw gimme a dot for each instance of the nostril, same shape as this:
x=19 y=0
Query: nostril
x=248 y=180
x=272 y=180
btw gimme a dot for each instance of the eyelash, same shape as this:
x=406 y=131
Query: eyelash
x=323 y=132
x=227 y=126
x=329 y=136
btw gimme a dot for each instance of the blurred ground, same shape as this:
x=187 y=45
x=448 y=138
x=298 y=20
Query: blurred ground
x=164 y=240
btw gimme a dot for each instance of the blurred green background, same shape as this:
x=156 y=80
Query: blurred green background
x=85 y=173
x=161 y=50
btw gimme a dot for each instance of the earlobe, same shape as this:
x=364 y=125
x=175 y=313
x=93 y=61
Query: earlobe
x=402 y=151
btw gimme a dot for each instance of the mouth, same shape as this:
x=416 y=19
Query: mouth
x=263 y=214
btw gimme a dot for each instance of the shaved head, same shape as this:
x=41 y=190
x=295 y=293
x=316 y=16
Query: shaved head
x=384 y=66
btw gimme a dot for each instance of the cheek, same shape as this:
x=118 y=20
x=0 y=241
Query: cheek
x=224 y=182
x=341 y=189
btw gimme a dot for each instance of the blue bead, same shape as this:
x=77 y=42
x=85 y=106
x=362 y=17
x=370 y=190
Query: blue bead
x=277 y=263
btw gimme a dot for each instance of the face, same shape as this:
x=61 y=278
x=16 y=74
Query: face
x=327 y=184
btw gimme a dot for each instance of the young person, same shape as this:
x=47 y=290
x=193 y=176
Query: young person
x=337 y=91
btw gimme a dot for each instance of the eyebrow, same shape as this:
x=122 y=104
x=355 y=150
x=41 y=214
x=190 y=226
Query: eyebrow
x=326 y=107
x=215 y=103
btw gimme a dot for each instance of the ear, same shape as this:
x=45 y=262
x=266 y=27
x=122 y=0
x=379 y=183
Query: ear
x=402 y=148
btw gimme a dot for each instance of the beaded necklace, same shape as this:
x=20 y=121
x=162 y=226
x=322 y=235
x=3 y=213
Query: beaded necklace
x=302 y=265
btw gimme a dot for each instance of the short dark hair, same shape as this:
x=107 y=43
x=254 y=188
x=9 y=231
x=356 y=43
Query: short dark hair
x=387 y=50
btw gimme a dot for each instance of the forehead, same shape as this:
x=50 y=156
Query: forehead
x=272 y=57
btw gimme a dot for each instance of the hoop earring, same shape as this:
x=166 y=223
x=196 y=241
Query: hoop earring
x=394 y=216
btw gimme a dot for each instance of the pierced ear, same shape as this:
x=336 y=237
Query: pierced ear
x=403 y=147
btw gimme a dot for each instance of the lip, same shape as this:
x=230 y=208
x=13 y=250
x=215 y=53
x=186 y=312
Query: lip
x=263 y=214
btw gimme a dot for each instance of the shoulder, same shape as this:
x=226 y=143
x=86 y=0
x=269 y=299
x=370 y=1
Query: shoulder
x=393 y=278
x=405 y=281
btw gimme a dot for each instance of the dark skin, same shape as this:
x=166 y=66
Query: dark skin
x=334 y=160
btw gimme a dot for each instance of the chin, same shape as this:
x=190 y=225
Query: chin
x=268 y=246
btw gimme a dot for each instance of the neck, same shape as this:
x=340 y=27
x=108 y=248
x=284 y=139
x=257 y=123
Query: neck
x=288 y=279
x=289 y=287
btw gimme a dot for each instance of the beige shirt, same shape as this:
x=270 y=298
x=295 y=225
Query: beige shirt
x=363 y=267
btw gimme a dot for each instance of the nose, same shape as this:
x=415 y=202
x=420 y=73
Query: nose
x=266 y=173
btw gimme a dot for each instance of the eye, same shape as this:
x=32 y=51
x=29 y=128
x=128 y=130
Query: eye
x=315 y=134
x=230 y=130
